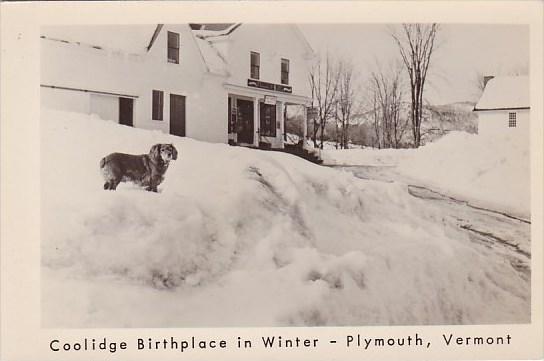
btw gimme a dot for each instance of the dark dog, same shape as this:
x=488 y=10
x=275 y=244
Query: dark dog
x=146 y=170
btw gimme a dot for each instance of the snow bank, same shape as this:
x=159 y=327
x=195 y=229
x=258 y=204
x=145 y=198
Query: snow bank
x=365 y=157
x=492 y=172
x=239 y=237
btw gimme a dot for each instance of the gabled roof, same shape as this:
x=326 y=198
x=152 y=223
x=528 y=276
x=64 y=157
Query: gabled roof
x=505 y=92
x=212 y=27
x=205 y=35
x=212 y=57
x=211 y=31
x=134 y=39
x=209 y=36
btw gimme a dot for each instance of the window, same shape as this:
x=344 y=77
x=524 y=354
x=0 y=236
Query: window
x=173 y=47
x=232 y=116
x=268 y=120
x=255 y=65
x=158 y=102
x=511 y=120
x=285 y=71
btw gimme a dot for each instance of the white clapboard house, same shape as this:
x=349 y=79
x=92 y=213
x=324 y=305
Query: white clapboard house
x=211 y=82
x=504 y=107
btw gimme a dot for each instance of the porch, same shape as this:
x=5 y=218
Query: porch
x=256 y=117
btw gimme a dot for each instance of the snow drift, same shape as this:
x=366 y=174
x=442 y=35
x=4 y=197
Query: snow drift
x=493 y=172
x=239 y=237
x=372 y=157
x=489 y=172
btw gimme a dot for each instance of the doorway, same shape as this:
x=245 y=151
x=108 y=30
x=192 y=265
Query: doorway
x=244 y=122
x=177 y=115
x=126 y=111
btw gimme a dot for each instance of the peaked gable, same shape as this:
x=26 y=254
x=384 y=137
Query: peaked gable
x=191 y=60
x=212 y=38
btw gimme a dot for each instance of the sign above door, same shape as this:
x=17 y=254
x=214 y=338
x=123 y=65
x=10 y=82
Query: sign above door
x=269 y=86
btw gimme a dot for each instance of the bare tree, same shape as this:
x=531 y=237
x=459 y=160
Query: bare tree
x=324 y=79
x=346 y=100
x=416 y=43
x=376 y=122
x=387 y=100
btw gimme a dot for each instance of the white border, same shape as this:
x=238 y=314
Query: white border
x=22 y=337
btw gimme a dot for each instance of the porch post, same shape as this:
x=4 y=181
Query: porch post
x=256 y=122
x=281 y=106
x=305 y=125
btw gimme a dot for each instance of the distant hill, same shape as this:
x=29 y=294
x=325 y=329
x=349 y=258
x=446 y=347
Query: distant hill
x=441 y=119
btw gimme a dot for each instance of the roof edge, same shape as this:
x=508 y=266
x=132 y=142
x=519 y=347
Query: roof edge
x=489 y=109
x=302 y=37
x=155 y=35
x=219 y=34
x=203 y=63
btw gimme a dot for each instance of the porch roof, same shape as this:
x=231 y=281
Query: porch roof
x=254 y=92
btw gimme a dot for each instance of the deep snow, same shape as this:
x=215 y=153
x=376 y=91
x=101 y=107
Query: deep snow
x=489 y=172
x=239 y=237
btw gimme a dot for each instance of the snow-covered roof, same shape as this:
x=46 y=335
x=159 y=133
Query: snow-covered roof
x=206 y=36
x=211 y=26
x=208 y=31
x=128 y=38
x=210 y=39
x=213 y=59
x=505 y=92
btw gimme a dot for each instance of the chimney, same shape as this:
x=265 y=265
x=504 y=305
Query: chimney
x=487 y=78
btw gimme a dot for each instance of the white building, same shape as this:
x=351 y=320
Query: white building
x=504 y=107
x=212 y=82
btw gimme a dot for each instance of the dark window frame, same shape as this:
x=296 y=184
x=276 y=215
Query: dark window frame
x=285 y=72
x=254 y=69
x=157 y=108
x=512 y=120
x=267 y=127
x=173 y=43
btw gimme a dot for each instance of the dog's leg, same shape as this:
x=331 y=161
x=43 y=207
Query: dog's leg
x=113 y=184
x=152 y=188
x=107 y=185
x=153 y=183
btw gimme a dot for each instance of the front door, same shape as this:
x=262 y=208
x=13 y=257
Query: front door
x=177 y=115
x=244 y=123
x=267 y=120
x=126 y=110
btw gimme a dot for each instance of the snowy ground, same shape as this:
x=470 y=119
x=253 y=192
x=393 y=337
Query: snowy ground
x=489 y=172
x=238 y=237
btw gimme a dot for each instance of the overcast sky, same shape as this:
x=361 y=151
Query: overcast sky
x=463 y=50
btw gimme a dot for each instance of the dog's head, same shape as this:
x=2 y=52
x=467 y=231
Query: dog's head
x=166 y=152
